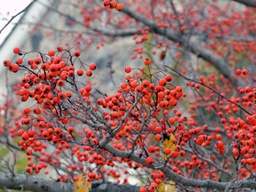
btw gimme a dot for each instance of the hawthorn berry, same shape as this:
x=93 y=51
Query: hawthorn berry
x=149 y=160
x=238 y=71
x=16 y=50
x=167 y=151
x=147 y=61
x=51 y=52
x=106 y=2
x=119 y=7
x=80 y=72
x=92 y=66
x=19 y=61
x=143 y=189
x=113 y=4
x=245 y=72
x=128 y=69
x=6 y=63
x=77 y=53
x=59 y=48
x=14 y=68
x=88 y=73
x=175 y=154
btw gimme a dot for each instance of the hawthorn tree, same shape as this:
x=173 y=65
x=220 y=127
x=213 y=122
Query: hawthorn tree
x=183 y=119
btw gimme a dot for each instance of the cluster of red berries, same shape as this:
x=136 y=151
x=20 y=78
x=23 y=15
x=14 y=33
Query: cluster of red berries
x=113 y=4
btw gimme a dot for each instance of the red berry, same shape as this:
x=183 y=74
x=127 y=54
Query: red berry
x=88 y=73
x=106 y=2
x=77 y=53
x=51 y=52
x=80 y=72
x=16 y=50
x=149 y=160
x=128 y=69
x=238 y=71
x=147 y=61
x=92 y=66
x=60 y=48
x=143 y=189
x=119 y=7
x=167 y=151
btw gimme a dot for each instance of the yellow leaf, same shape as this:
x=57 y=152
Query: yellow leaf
x=82 y=184
x=162 y=187
x=168 y=142
x=170 y=187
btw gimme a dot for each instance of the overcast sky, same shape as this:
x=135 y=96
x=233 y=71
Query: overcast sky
x=9 y=8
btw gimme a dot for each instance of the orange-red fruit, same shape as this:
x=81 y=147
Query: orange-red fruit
x=167 y=151
x=88 y=73
x=143 y=189
x=147 y=61
x=158 y=137
x=14 y=68
x=238 y=71
x=175 y=154
x=113 y=4
x=128 y=69
x=92 y=66
x=75 y=179
x=7 y=63
x=77 y=53
x=16 y=50
x=168 y=78
x=51 y=52
x=245 y=72
x=19 y=61
x=149 y=160
x=60 y=48
x=106 y=2
x=119 y=7
x=80 y=72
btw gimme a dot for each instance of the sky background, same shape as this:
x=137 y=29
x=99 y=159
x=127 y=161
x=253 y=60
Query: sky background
x=9 y=8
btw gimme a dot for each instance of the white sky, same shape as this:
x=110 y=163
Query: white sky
x=9 y=8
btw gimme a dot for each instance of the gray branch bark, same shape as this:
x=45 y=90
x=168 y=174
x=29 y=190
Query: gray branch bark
x=181 y=179
x=39 y=184
x=250 y=3
x=32 y=183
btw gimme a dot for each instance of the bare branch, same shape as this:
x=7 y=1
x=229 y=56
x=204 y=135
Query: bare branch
x=16 y=15
x=32 y=183
x=179 y=178
x=250 y=3
x=218 y=62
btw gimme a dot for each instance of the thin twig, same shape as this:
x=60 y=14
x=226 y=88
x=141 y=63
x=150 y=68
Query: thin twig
x=14 y=16
x=212 y=89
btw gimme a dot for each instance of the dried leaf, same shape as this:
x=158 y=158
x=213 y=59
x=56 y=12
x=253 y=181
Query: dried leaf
x=162 y=55
x=82 y=185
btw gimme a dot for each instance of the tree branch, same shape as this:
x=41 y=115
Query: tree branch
x=250 y=3
x=33 y=183
x=218 y=62
x=179 y=178
x=16 y=15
